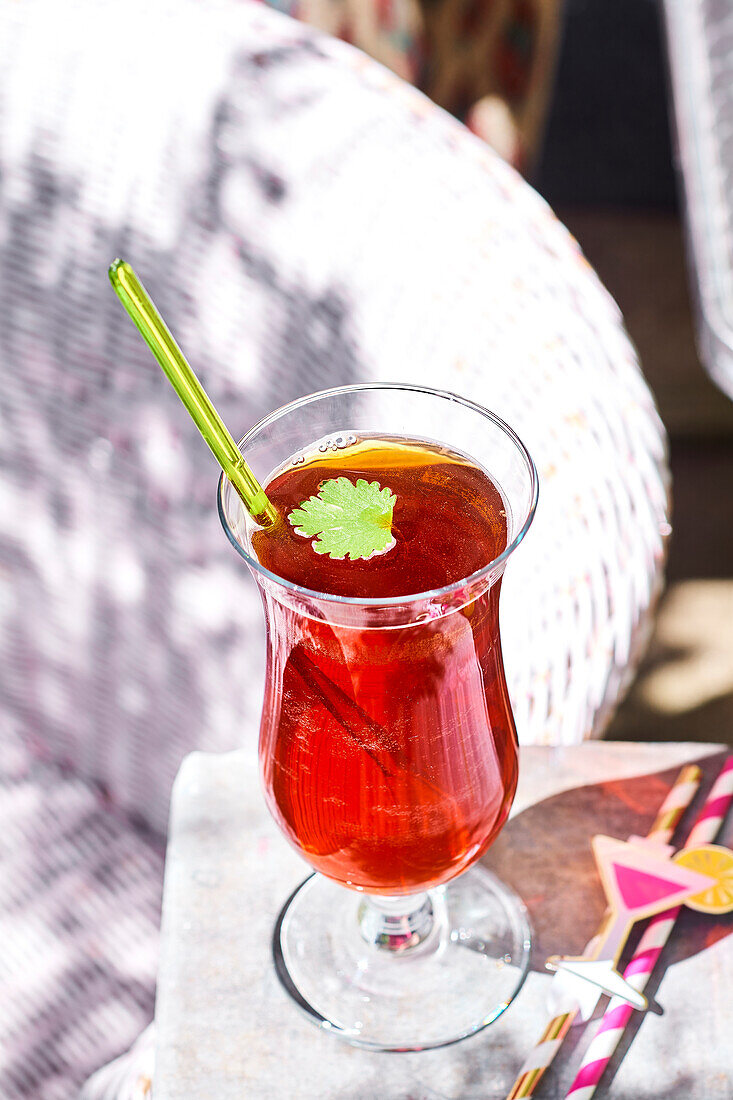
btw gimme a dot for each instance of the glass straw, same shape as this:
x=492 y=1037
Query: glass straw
x=157 y=336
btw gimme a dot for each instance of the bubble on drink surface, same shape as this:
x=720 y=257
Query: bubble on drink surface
x=337 y=443
x=298 y=459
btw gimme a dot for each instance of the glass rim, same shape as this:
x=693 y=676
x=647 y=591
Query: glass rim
x=408 y=598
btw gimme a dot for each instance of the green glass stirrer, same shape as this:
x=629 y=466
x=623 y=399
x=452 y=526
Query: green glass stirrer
x=157 y=336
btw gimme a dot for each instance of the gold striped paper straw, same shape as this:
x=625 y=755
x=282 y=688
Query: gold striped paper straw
x=543 y=1053
x=679 y=797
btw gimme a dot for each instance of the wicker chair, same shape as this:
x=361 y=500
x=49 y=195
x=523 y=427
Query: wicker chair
x=303 y=219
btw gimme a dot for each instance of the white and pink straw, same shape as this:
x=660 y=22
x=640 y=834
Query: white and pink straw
x=655 y=936
x=679 y=797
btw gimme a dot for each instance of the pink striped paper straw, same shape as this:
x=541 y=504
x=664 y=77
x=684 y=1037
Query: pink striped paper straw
x=655 y=936
x=679 y=797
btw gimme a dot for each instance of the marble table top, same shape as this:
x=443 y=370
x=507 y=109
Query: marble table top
x=226 y=1028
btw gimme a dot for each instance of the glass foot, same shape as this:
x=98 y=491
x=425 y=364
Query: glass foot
x=446 y=981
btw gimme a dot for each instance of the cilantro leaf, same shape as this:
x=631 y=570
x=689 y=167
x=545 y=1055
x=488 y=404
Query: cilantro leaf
x=350 y=520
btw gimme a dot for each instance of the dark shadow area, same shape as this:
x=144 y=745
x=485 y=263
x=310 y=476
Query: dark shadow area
x=711 y=722
x=702 y=539
x=607 y=138
x=684 y=689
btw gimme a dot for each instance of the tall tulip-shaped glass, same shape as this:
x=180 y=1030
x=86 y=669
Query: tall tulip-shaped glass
x=388 y=751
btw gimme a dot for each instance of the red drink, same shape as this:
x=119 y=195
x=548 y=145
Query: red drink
x=389 y=753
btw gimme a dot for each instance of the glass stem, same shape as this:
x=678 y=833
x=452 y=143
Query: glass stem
x=396 y=923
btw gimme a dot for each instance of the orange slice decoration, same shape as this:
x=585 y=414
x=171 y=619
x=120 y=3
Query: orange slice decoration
x=717 y=863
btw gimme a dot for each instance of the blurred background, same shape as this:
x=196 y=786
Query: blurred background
x=609 y=167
